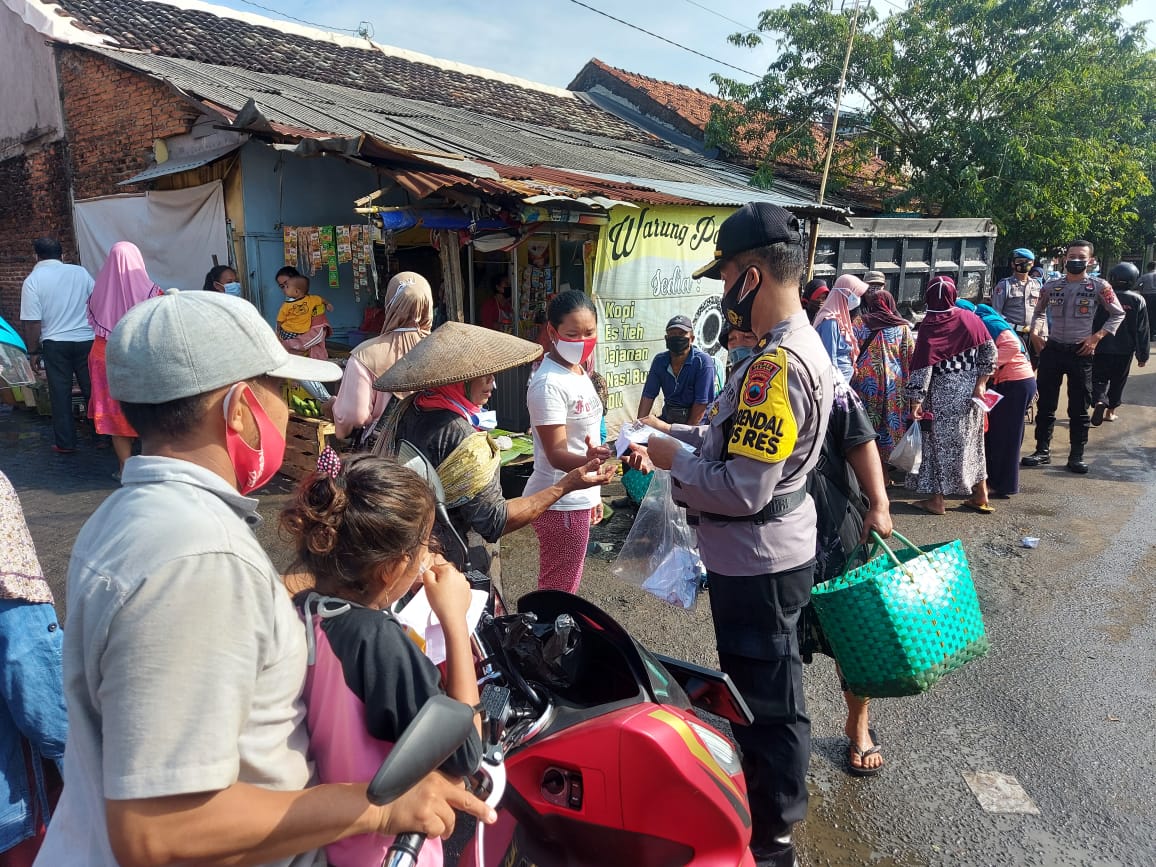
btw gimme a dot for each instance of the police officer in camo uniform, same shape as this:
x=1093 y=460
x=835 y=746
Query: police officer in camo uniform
x=745 y=488
x=1067 y=308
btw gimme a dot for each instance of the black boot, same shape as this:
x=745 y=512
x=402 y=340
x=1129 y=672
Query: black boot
x=1039 y=458
x=1076 y=462
x=1098 y=414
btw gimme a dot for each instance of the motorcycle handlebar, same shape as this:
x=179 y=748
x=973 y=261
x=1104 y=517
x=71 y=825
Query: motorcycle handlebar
x=404 y=851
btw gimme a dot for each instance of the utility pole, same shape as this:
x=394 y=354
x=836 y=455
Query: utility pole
x=831 y=136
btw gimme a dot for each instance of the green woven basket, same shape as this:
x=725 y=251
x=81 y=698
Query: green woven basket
x=904 y=619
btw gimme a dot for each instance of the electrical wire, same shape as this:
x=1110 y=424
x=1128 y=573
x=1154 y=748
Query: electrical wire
x=667 y=41
x=354 y=30
x=746 y=29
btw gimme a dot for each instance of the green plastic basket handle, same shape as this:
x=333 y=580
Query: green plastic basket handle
x=878 y=544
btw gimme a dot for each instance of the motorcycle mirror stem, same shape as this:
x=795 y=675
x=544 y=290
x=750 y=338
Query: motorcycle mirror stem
x=409 y=455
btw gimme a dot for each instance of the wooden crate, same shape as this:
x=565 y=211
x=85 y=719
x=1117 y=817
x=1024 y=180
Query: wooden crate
x=304 y=441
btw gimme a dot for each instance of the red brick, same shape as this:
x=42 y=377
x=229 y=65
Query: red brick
x=112 y=117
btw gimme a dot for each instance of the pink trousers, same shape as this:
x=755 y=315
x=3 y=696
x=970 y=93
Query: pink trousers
x=562 y=540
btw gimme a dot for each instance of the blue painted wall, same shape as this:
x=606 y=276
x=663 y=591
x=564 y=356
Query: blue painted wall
x=282 y=189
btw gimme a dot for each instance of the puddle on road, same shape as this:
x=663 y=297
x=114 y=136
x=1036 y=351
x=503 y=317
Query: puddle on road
x=841 y=843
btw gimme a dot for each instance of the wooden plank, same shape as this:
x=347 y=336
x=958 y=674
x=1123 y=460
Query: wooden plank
x=305 y=439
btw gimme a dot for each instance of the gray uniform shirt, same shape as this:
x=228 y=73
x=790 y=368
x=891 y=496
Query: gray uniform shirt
x=1068 y=307
x=1016 y=300
x=184 y=660
x=771 y=419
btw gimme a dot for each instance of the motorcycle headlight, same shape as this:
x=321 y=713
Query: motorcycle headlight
x=719 y=747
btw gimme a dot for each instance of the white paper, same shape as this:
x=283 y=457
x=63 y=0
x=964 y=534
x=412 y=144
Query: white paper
x=633 y=433
x=419 y=617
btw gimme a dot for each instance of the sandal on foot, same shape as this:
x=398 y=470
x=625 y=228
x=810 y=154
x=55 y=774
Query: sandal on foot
x=853 y=751
x=982 y=508
x=924 y=506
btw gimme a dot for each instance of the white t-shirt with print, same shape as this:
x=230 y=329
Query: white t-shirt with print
x=557 y=395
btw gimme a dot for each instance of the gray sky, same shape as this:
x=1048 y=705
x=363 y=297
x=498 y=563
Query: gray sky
x=550 y=40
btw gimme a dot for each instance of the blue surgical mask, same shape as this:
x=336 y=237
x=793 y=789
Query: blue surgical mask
x=739 y=354
x=486 y=419
x=233 y=288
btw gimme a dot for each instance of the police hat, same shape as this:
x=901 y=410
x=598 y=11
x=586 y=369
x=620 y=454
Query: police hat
x=754 y=225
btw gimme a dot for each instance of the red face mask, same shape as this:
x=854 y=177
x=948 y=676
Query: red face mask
x=253 y=467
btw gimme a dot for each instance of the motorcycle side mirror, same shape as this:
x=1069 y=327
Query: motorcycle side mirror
x=439 y=728
x=410 y=456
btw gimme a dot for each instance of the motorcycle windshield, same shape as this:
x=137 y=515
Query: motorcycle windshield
x=650 y=674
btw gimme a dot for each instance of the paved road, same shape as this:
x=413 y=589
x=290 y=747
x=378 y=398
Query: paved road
x=1065 y=702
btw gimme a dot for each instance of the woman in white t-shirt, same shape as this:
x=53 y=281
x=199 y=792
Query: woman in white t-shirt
x=565 y=413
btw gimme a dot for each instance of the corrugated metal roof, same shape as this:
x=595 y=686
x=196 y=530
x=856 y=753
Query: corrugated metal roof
x=180 y=164
x=724 y=196
x=434 y=130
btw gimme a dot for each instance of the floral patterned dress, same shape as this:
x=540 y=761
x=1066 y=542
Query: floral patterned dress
x=881 y=373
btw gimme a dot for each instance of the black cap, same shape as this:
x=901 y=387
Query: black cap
x=755 y=224
x=681 y=322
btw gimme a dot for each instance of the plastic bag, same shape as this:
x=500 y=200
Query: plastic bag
x=660 y=553
x=908 y=452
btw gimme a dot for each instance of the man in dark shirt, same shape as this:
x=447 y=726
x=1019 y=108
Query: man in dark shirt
x=684 y=374
x=850 y=493
x=1113 y=359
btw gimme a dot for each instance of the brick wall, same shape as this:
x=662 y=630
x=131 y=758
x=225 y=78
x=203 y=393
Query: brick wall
x=112 y=116
x=34 y=204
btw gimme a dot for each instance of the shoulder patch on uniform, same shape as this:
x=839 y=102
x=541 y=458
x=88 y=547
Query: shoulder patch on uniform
x=765 y=428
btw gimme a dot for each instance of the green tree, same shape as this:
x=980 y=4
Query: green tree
x=1037 y=113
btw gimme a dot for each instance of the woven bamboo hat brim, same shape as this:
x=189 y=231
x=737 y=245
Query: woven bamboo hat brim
x=456 y=352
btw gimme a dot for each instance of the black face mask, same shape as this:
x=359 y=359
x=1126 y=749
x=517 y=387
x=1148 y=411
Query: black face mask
x=1076 y=266
x=740 y=298
x=1020 y=268
x=678 y=345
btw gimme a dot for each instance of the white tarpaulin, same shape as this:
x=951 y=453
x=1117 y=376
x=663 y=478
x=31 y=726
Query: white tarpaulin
x=178 y=231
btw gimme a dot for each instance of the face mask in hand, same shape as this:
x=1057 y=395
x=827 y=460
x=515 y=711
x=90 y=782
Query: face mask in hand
x=678 y=345
x=1076 y=266
x=253 y=467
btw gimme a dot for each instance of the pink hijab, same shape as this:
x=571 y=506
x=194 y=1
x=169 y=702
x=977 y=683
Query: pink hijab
x=837 y=308
x=121 y=284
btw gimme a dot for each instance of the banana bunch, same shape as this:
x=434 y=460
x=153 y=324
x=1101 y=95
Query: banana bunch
x=305 y=406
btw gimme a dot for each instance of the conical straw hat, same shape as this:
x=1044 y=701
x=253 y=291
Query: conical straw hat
x=456 y=352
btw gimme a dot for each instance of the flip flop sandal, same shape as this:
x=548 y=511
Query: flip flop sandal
x=982 y=508
x=863 y=754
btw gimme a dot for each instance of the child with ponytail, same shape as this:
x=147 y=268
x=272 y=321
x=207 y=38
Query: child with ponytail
x=362 y=531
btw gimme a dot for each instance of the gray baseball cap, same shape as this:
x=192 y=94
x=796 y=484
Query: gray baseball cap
x=185 y=343
x=874 y=277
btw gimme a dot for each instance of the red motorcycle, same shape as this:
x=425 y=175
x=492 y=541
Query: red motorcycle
x=593 y=754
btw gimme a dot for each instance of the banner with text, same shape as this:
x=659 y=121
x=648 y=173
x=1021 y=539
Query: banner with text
x=642 y=278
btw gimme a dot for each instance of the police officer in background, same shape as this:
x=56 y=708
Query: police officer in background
x=1015 y=297
x=1067 y=307
x=744 y=488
